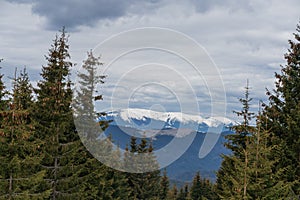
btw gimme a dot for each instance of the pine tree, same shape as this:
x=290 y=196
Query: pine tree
x=130 y=167
x=21 y=176
x=186 y=192
x=145 y=182
x=226 y=184
x=200 y=189
x=3 y=96
x=181 y=195
x=99 y=181
x=248 y=172
x=263 y=182
x=173 y=193
x=283 y=116
x=3 y=93
x=164 y=185
x=233 y=176
x=54 y=123
x=196 y=188
x=85 y=98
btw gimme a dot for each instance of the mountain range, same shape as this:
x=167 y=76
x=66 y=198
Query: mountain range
x=143 y=119
x=165 y=128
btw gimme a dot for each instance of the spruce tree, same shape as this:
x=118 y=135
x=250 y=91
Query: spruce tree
x=181 y=195
x=184 y=193
x=54 y=122
x=233 y=176
x=144 y=185
x=21 y=175
x=98 y=180
x=263 y=181
x=164 y=185
x=3 y=93
x=283 y=116
x=248 y=172
x=200 y=189
x=173 y=193
x=196 y=188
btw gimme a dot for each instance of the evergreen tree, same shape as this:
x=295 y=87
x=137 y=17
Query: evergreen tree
x=263 y=182
x=196 y=188
x=99 y=181
x=54 y=123
x=186 y=192
x=181 y=195
x=3 y=96
x=226 y=184
x=164 y=185
x=283 y=116
x=248 y=172
x=85 y=98
x=21 y=176
x=201 y=189
x=173 y=193
x=3 y=93
x=233 y=176
x=144 y=185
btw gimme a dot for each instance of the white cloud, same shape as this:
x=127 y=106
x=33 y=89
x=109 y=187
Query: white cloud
x=246 y=40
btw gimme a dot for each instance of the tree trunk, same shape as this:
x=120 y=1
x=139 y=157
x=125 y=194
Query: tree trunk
x=245 y=171
x=10 y=185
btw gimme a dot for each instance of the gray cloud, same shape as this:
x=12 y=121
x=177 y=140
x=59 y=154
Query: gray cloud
x=246 y=39
x=62 y=13
x=73 y=14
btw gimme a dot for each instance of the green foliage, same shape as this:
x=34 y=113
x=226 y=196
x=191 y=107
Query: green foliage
x=233 y=177
x=248 y=173
x=54 y=123
x=42 y=156
x=182 y=195
x=143 y=185
x=196 y=189
x=282 y=117
x=85 y=98
x=202 y=189
x=98 y=180
x=164 y=186
x=172 y=195
x=20 y=174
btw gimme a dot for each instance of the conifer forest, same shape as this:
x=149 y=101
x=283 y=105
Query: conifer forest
x=43 y=157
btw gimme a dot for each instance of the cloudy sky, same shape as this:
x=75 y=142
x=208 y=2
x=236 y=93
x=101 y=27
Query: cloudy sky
x=237 y=40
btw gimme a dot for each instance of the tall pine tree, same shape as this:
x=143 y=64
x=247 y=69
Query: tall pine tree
x=283 y=118
x=233 y=176
x=248 y=172
x=54 y=122
x=99 y=181
x=21 y=175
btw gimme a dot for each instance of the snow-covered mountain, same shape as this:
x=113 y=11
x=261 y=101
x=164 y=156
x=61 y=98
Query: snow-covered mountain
x=163 y=128
x=143 y=119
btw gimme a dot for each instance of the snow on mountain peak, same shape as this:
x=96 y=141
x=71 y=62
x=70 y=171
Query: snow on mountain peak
x=140 y=114
x=149 y=119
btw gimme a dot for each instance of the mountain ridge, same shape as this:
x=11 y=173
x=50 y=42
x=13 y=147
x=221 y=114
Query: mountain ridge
x=143 y=119
x=162 y=128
